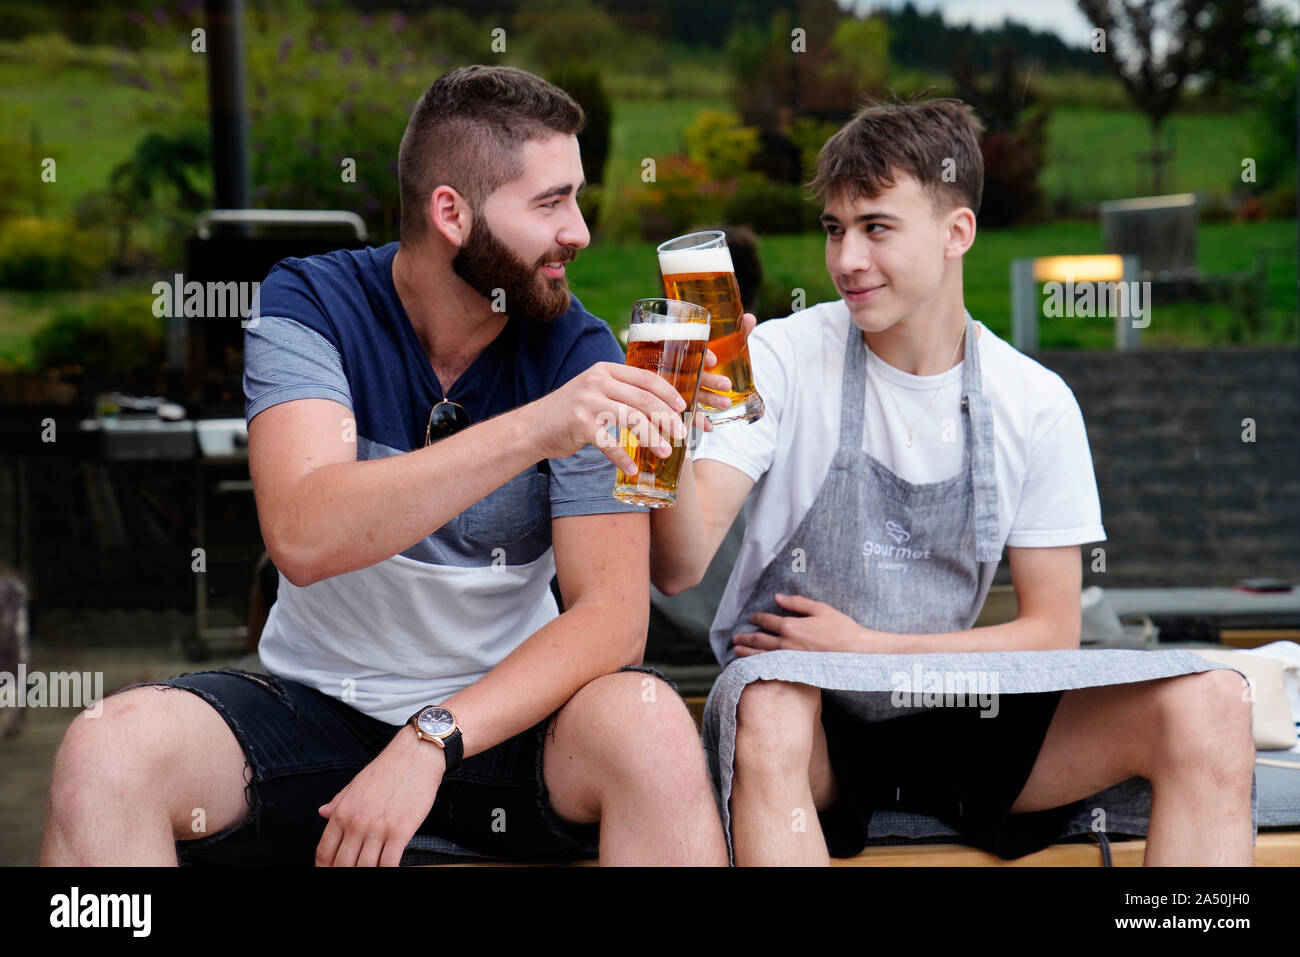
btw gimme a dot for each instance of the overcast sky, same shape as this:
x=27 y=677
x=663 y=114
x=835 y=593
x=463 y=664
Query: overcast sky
x=1062 y=16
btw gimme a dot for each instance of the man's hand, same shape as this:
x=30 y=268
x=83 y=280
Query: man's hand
x=376 y=815
x=711 y=384
x=818 y=627
x=581 y=411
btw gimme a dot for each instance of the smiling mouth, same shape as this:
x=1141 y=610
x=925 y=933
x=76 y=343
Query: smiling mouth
x=849 y=291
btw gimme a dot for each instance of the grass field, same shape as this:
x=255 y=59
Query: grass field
x=90 y=124
x=609 y=277
x=1092 y=154
x=82 y=119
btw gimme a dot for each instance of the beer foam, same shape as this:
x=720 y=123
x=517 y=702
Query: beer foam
x=665 y=331
x=674 y=262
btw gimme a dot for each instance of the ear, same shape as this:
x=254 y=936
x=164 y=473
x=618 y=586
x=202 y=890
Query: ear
x=449 y=215
x=961 y=232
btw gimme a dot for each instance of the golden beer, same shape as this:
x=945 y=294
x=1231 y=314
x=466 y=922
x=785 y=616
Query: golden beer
x=671 y=346
x=697 y=268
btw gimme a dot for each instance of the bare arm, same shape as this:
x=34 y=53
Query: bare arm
x=324 y=513
x=1047 y=583
x=684 y=539
x=601 y=564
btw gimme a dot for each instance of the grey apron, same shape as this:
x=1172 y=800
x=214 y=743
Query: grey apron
x=904 y=558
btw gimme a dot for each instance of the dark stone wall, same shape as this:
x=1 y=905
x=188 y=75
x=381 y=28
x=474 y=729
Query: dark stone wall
x=1185 y=501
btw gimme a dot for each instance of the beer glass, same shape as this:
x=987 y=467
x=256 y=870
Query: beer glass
x=668 y=338
x=697 y=268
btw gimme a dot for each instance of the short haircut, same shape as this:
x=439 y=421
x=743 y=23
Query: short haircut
x=936 y=142
x=467 y=131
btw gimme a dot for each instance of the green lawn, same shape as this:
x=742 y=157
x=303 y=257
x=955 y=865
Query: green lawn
x=84 y=120
x=609 y=277
x=1091 y=153
x=88 y=122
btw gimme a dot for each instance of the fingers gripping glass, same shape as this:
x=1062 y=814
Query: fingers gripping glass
x=446 y=418
x=668 y=338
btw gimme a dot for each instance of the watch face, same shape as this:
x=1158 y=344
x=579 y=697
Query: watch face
x=436 y=721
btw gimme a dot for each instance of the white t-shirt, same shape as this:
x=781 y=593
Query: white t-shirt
x=1047 y=493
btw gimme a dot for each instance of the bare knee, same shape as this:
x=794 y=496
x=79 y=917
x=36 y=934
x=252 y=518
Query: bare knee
x=775 y=723
x=104 y=756
x=633 y=726
x=1203 y=725
x=135 y=755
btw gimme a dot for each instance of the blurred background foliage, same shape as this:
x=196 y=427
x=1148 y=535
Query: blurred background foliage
x=727 y=102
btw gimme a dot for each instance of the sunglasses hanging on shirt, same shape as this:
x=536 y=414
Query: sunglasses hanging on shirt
x=446 y=418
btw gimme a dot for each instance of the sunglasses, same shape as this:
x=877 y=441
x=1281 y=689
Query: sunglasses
x=446 y=418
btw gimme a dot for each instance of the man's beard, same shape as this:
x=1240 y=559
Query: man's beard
x=486 y=264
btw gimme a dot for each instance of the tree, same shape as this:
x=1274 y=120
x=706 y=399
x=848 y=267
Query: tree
x=1154 y=47
x=1014 y=143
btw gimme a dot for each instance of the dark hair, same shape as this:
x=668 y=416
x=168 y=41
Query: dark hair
x=743 y=244
x=934 y=141
x=466 y=133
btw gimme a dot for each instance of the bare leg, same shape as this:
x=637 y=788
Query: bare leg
x=126 y=783
x=782 y=776
x=1189 y=736
x=624 y=751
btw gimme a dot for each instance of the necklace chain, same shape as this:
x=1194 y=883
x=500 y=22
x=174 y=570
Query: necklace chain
x=934 y=395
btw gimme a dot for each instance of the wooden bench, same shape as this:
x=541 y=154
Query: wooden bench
x=1272 y=848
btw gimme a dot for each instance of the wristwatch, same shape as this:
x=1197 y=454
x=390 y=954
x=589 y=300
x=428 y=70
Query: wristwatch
x=437 y=724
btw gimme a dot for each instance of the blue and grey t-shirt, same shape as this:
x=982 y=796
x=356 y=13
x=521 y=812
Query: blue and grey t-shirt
x=419 y=626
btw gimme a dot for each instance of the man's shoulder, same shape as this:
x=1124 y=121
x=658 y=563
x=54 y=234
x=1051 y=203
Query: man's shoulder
x=339 y=268
x=322 y=290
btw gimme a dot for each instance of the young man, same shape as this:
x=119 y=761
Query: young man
x=420 y=426
x=903 y=446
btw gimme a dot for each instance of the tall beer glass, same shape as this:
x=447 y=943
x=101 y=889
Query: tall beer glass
x=668 y=338
x=697 y=268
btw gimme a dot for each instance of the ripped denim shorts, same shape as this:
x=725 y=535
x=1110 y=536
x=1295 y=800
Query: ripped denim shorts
x=302 y=747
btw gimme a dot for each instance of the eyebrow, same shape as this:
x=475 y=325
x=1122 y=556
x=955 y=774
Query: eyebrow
x=828 y=218
x=564 y=190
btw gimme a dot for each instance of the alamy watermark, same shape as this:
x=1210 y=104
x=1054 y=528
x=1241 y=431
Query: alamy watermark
x=75 y=909
x=927 y=688
x=179 y=299
x=58 y=689
x=1086 y=300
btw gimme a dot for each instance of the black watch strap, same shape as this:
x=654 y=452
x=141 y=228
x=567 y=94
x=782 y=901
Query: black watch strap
x=453 y=746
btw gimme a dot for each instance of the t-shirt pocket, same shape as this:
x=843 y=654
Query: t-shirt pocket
x=510 y=513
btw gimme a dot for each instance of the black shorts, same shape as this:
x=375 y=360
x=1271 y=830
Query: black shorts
x=948 y=763
x=303 y=747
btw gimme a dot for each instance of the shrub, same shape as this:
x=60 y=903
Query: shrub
x=720 y=144
x=1013 y=161
x=1279 y=203
x=117 y=338
x=809 y=135
x=681 y=195
x=37 y=253
x=769 y=207
x=584 y=84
